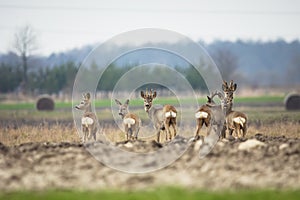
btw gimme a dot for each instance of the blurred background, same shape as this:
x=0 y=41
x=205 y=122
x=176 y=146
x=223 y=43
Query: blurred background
x=43 y=43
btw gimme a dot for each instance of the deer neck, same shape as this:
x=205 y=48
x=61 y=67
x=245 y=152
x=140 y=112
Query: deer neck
x=88 y=108
x=228 y=108
x=150 y=112
x=124 y=114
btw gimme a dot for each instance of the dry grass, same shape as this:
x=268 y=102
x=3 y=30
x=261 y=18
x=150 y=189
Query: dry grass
x=288 y=129
x=25 y=126
x=67 y=133
x=28 y=133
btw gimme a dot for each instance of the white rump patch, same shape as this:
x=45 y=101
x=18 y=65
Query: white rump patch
x=170 y=114
x=239 y=120
x=201 y=114
x=87 y=121
x=129 y=122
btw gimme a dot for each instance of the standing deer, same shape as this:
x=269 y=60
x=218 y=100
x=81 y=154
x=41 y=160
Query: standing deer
x=131 y=121
x=161 y=116
x=235 y=121
x=204 y=114
x=88 y=120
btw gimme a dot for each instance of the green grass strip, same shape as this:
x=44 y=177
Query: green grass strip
x=164 y=193
x=103 y=103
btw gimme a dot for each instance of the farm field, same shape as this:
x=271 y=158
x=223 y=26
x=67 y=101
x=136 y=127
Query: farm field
x=38 y=148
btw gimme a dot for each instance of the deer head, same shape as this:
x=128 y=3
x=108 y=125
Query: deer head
x=228 y=98
x=123 y=108
x=229 y=90
x=148 y=98
x=85 y=104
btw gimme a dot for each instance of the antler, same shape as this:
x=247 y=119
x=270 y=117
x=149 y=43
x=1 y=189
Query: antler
x=224 y=86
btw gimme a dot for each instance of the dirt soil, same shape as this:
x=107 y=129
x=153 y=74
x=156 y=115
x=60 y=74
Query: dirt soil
x=258 y=162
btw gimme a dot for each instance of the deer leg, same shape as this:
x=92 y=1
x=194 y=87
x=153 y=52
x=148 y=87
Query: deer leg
x=158 y=135
x=230 y=133
x=244 y=129
x=82 y=138
x=130 y=133
x=84 y=130
x=94 y=133
x=236 y=133
x=197 y=130
x=89 y=133
x=174 y=127
x=136 y=133
x=239 y=131
x=200 y=123
x=208 y=126
x=127 y=133
x=167 y=126
x=223 y=132
x=208 y=130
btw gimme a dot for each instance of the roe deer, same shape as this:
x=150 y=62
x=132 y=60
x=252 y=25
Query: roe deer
x=204 y=114
x=88 y=120
x=235 y=121
x=161 y=116
x=131 y=121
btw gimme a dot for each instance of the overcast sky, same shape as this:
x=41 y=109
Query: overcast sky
x=65 y=24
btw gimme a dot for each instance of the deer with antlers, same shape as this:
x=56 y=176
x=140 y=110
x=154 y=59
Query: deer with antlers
x=235 y=121
x=161 y=116
x=88 y=120
x=131 y=121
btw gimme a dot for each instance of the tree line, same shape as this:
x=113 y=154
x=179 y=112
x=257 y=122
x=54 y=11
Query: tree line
x=60 y=78
x=44 y=80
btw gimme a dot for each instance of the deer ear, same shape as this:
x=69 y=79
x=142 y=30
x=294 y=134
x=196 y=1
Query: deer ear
x=118 y=102
x=224 y=86
x=127 y=102
x=142 y=94
x=154 y=94
x=208 y=98
x=234 y=87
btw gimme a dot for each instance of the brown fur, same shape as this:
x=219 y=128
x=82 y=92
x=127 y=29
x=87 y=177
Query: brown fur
x=157 y=115
x=170 y=121
x=239 y=130
x=124 y=113
x=203 y=121
x=206 y=108
x=134 y=128
x=230 y=125
x=91 y=129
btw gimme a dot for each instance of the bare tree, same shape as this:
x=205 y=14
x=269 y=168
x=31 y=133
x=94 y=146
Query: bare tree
x=24 y=44
x=227 y=63
x=293 y=70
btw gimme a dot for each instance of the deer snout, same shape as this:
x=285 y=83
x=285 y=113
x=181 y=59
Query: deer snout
x=77 y=107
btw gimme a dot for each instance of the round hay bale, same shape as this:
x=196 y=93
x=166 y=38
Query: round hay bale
x=45 y=103
x=292 y=102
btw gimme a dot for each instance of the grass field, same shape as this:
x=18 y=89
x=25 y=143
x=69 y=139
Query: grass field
x=22 y=123
x=138 y=102
x=158 y=193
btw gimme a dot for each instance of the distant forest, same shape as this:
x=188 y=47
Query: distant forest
x=249 y=63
